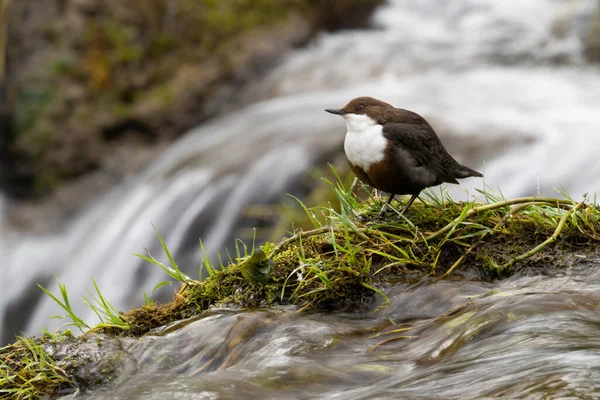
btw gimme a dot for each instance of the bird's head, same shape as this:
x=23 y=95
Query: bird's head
x=362 y=110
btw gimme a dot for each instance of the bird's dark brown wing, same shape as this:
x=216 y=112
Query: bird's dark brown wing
x=423 y=145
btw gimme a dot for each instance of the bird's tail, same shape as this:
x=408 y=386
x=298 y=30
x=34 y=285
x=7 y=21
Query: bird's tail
x=465 y=172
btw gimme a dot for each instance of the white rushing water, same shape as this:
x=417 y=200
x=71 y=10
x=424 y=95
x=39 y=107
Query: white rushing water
x=503 y=82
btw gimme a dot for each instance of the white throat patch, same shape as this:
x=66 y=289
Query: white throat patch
x=364 y=144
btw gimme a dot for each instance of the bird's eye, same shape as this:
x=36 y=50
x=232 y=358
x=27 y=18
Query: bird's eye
x=360 y=106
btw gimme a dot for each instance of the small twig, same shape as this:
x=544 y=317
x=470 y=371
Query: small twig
x=392 y=264
x=459 y=261
x=548 y=241
x=521 y=200
x=302 y=235
x=304 y=308
x=500 y=204
x=325 y=229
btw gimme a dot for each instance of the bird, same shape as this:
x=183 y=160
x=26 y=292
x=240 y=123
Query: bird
x=396 y=150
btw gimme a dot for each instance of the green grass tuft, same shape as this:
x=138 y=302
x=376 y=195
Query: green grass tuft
x=65 y=304
x=108 y=315
x=173 y=271
x=28 y=372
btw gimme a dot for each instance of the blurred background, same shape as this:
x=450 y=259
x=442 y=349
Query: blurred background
x=200 y=115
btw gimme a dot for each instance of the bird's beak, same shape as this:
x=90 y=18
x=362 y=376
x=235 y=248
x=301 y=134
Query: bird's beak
x=337 y=111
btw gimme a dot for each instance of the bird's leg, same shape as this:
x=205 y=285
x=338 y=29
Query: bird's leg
x=413 y=198
x=385 y=206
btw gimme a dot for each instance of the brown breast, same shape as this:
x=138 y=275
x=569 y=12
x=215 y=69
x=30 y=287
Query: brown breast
x=360 y=174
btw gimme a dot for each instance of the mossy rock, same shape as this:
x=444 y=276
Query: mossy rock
x=347 y=261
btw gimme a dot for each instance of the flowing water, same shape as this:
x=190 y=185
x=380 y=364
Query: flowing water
x=525 y=337
x=506 y=86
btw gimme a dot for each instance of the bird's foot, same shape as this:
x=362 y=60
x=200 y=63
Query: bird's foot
x=377 y=218
x=363 y=219
x=370 y=218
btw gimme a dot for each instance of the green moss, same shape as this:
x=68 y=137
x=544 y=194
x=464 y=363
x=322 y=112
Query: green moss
x=27 y=371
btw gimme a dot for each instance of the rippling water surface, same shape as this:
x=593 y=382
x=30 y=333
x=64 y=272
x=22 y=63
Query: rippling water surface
x=523 y=337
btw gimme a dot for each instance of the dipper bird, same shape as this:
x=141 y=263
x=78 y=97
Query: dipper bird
x=396 y=150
